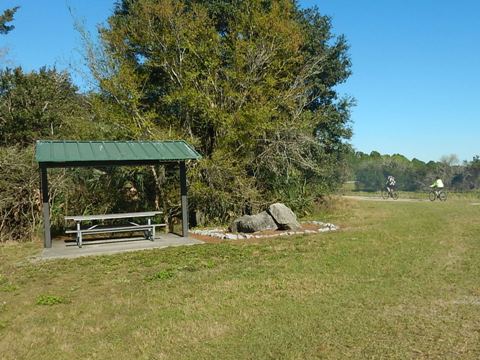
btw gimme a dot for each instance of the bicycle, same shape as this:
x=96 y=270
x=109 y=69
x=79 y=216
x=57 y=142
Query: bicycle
x=437 y=194
x=389 y=193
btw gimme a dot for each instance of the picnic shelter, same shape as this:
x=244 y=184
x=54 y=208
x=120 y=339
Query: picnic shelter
x=72 y=154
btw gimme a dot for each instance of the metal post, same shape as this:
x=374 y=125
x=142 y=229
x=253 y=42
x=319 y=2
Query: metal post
x=152 y=229
x=183 y=193
x=47 y=238
x=79 y=235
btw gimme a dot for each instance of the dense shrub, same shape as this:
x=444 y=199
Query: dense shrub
x=19 y=194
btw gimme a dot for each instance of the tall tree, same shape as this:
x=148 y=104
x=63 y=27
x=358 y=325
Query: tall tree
x=251 y=83
x=43 y=104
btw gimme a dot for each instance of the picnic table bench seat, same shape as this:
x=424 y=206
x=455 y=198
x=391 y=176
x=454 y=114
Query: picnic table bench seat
x=147 y=229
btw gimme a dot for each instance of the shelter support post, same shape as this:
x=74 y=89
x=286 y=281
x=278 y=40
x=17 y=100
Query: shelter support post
x=183 y=193
x=47 y=238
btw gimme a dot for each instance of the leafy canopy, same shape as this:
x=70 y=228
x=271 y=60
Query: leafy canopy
x=43 y=104
x=250 y=83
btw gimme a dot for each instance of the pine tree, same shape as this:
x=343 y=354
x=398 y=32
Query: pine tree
x=5 y=18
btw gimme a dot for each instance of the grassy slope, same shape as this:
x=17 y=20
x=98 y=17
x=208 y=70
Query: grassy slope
x=401 y=280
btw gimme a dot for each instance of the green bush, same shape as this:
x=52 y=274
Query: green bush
x=19 y=194
x=50 y=300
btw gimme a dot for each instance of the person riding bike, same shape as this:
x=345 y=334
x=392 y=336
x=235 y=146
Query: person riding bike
x=437 y=186
x=390 y=184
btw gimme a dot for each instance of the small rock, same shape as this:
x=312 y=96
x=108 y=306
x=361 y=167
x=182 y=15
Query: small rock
x=231 y=237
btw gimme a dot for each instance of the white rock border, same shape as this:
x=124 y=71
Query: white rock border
x=224 y=235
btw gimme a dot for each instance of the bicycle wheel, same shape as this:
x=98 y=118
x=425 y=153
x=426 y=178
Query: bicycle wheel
x=394 y=195
x=442 y=196
x=432 y=195
x=384 y=194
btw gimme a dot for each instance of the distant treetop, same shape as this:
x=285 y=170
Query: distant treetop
x=5 y=18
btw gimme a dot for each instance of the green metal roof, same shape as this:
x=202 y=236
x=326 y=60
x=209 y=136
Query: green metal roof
x=72 y=152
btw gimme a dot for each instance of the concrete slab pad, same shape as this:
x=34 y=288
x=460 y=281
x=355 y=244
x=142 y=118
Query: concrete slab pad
x=68 y=250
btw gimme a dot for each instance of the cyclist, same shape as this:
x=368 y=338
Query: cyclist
x=437 y=185
x=390 y=184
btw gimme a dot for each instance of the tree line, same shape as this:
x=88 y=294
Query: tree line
x=371 y=170
x=251 y=84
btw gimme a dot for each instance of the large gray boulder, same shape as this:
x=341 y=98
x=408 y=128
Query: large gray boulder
x=253 y=223
x=284 y=217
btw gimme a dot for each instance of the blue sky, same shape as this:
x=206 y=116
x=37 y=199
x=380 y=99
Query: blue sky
x=416 y=70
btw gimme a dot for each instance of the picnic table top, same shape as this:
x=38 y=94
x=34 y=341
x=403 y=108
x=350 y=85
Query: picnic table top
x=113 y=216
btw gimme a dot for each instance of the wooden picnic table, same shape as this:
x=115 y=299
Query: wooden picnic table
x=148 y=228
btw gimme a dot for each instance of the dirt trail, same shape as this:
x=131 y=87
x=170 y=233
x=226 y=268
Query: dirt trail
x=378 y=198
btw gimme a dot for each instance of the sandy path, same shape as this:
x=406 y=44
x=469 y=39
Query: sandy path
x=378 y=198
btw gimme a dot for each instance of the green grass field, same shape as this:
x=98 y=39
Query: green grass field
x=400 y=280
